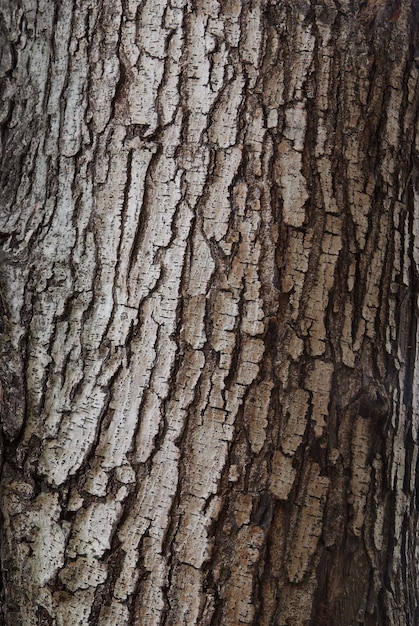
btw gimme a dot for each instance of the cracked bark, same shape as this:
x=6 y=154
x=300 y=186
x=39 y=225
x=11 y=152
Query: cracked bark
x=209 y=278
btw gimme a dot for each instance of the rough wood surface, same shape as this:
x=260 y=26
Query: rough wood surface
x=209 y=223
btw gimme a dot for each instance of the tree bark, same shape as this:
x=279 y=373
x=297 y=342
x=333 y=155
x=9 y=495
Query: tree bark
x=209 y=279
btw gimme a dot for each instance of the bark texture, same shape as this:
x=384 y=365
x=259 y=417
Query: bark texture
x=209 y=230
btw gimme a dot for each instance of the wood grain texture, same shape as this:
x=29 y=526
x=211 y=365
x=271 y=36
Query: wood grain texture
x=209 y=269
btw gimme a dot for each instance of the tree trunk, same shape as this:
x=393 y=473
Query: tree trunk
x=209 y=277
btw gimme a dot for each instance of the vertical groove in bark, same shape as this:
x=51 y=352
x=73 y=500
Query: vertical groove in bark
x=209 y=273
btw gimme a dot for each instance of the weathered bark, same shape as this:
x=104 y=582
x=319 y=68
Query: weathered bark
x=209 y=275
